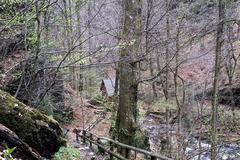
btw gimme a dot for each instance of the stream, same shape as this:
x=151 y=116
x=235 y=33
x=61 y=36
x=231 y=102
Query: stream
x=156 y=132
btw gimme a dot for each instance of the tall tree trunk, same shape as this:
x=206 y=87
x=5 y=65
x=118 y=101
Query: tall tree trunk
x=166 y=86
x=38 y=32
x=179 y=105
x=78 y=29
x=46 y=20
x=127 y=109
x=147 y=46
x=89 y=11
x=37 y=52
x=66 y=28
x=219 y=42
x=180 y=102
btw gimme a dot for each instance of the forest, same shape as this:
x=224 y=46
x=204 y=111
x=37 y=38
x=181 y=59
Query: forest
x=120 y=79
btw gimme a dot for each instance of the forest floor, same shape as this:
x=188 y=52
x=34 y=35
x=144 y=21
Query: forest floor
x=8 y=65
x=84 y=116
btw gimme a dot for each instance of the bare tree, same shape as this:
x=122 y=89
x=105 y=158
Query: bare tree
x=219 y=42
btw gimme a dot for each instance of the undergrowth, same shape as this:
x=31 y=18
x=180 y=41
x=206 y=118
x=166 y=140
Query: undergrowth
x=67 y=153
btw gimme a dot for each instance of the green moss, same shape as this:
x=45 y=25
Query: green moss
x=67 y=153
x=31 y=126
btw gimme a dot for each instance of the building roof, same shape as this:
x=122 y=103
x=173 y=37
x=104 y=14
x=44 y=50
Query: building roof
x=109 y=85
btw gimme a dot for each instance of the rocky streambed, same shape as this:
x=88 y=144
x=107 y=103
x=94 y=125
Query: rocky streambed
x=194 y=149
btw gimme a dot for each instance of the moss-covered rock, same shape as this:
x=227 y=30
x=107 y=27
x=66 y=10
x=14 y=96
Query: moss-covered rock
x=9 y=139
x=34 y=128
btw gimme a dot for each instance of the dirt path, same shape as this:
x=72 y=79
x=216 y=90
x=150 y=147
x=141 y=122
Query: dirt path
x=84 y=116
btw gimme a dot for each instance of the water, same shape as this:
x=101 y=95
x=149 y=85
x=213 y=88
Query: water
x=156 y=131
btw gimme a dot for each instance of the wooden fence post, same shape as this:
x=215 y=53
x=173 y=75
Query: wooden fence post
x=77 y=136
x=91 y=138
x=127 y=153
x=84 y=135
x=98 y=141
x=153 y=158
x=111 y=149
x=99 y=148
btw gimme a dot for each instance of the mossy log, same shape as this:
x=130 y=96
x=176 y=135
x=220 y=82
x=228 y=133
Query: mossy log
x=9 y=139
x=39 y=131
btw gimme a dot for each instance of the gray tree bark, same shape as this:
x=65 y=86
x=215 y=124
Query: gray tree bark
x=219 y=42
x=127 y=109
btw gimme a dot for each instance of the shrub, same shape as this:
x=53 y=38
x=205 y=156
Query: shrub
x=67 y=153
x=7 y=154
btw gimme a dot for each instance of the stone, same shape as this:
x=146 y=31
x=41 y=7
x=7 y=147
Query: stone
x=9 y=139
x=39 y=131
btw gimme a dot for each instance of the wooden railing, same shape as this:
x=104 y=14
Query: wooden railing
x=95 y=140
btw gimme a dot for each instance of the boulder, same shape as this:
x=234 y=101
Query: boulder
x=227 y=95
x=230 y=96
x=9 y=139
x=11 y=39
x=39 y=131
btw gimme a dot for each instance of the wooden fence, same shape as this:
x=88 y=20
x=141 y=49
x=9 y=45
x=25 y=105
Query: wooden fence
x=93 y=139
